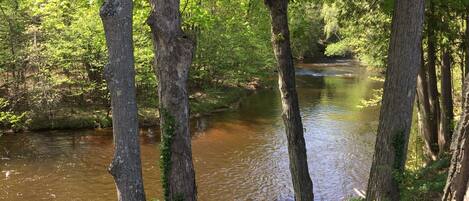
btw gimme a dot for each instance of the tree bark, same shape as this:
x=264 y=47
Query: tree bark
x=427 y=128
x=466 y=43
x=457 y=184
x=173 y=58
x=447 y=116
x=302 y=183
x=404 y=61
x=120 y=77
x=432 y=79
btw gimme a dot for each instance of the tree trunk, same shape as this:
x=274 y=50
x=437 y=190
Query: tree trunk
x=457 y=184
x=404 y=61
x=120 y=77
x=302 y=183
x=432 y=79
x=447 y=116
x=466 y=43
x=427 y=128
x=173 y=58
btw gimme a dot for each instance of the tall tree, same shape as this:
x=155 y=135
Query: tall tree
x=404 y=60
x=120 y=77
x=457 y=184
x=466 y=42
x=426 y=124
x=447 y=116
x=173 y=58
x=302 y=183
x=431 y=69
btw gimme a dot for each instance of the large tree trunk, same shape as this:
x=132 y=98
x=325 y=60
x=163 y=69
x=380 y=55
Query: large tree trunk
x=404 y=60
x=173 y=58
x=447 y=116
x=302 y=183
x=426 y=126
x=457 y=184
x=120 y=77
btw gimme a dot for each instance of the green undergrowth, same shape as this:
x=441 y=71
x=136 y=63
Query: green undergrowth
x=66 y=118
x=215 y=99
x=69 y=119
x=426 y=183
x=423 y=184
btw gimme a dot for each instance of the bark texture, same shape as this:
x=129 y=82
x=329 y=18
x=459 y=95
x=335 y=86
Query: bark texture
x=120 y=77
x=447 y=116
x=302 y=183
x=404 y=61
x=173 y=58
x=466 y=44
x=427 y=127
x=457 y=184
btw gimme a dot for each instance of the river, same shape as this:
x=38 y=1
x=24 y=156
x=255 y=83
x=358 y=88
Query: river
x=238 y=155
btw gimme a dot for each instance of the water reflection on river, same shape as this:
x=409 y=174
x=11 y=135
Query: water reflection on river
x=239 y=155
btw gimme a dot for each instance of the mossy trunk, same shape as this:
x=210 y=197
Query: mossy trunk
x=173 y=58
x=404 y=61
x=302 y=183
x=120 y=77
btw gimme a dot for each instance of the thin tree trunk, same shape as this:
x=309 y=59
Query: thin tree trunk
x=457 y=184
x=173 y=58
x=404 y=61
x=466 y=43
x=426 y=129
x=447 y=116
x=432 y=79
x=120 y=77
x=302 y=183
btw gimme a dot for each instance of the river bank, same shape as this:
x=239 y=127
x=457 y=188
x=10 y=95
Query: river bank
x=202 y=102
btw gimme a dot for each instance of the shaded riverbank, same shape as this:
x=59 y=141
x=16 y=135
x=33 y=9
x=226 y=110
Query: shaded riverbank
x=202 y=102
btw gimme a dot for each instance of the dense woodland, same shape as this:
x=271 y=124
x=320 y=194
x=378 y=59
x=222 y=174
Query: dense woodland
x=64 y=64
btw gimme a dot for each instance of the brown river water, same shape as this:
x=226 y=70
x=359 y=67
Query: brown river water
x=238 y=155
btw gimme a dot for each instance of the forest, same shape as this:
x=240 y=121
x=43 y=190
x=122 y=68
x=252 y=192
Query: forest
x=234 y=100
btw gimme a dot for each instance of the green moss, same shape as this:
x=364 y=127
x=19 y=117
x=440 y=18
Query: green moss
x=398 y=143
x=356 y=199
x=279 y=37
x=168 y=129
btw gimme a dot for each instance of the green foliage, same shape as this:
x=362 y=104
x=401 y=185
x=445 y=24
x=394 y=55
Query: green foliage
x=9 y=119
x=374 y=100
x=361 y=27
x=357 y=199
x=341 y=48
x=233 y=41
x=426 y=183
x=306 y=29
